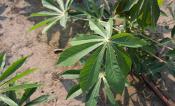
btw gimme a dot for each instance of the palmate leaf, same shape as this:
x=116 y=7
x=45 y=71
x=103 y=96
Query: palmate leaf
x=114 y=74
x=73 y=54
x=128 y=40
x=7 y=100
x=56 y=14
x=90 y=72
x=12 y=68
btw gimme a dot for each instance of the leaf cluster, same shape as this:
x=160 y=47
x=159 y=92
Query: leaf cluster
x=116 y=44
x=10 y=89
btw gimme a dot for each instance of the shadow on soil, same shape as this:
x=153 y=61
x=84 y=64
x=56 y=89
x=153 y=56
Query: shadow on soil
x=68 y=84
x=65 y=34
x=2 y=9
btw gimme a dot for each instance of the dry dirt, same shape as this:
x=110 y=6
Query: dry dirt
x=16 y=41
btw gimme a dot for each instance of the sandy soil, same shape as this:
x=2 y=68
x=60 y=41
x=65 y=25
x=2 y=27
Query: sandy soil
x=16 y=41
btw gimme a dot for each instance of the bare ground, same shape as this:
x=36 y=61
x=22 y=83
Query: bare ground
x=16 y=41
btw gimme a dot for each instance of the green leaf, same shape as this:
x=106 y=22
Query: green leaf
x=160 y=2
x=150 y=49
x=97 y=28
x=68 y=3
x=58 y=15
x=19 y=87
x=114 y=74
x=70 y=74
x=145 y=16
x=11 y=69
x=38 y=100
x=27 y=94
x=124 y=61
x=155 y=68
x=130 y=4
x=92 y=101
x=90 y=72
x=12 y=95
x=173 y=32
x=73 y=54
x=171 y=53
x=42 y=23
x=63 y=20
x=50 y=25
x=74 y=92
x=2 y=60
x=136 y=63
x=7 y=100
x=19 y=76
x=82 y=39
x=43 y=13
x=151 y=14
x=109 y=92
x=170 y=65
x=128 y=40
x=108 y=27
x=61 y=4
x=48 y=5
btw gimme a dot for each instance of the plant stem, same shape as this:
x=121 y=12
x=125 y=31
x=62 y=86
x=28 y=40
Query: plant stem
x=158 y=58
x=157 y=91
x=156 y=42
x=79 y=18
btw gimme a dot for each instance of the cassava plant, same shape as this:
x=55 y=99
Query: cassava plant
x=11 y=92
x=117 y=43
